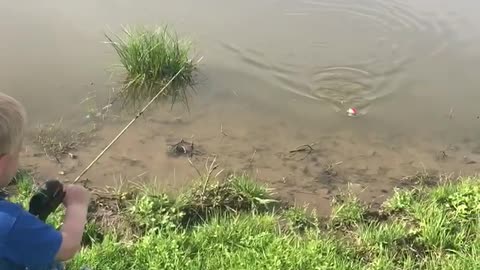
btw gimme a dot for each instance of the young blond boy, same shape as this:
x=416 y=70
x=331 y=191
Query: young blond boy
x=25 y=241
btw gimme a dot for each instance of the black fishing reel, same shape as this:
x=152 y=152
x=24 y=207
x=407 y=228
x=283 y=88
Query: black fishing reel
x=49 y=196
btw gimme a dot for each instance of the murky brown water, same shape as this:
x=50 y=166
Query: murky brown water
x=276 y=75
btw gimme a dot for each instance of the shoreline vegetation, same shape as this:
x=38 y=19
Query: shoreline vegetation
x=236 y=223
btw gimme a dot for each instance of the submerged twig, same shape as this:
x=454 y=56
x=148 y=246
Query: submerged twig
x=253 y=156
x=223 y=132
x=303 y=148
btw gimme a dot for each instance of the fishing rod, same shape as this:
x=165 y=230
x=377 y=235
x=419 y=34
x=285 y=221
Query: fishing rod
x=51 y=194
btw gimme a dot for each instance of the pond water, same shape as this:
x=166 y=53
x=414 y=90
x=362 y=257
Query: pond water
x=276 y=75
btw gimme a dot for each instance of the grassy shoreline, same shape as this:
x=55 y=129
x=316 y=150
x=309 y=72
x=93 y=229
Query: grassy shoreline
x=238 y=224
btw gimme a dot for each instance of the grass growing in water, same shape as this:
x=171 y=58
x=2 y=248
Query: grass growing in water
x=151 y=58
x=430 y=228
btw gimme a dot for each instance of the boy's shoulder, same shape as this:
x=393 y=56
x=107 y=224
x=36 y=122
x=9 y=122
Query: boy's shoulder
x=9 y=207
x=9 y=212
x=25 y=239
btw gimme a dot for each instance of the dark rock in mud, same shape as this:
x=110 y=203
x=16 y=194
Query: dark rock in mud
x=183 y=148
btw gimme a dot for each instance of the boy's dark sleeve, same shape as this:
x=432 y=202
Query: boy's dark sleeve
x=32 y=242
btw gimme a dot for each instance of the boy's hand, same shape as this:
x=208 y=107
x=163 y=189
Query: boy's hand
x=76 y=203
x=76 y=195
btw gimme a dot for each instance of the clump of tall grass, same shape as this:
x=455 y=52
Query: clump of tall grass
x=151 y=58
x=347 y=210
x=237 y=194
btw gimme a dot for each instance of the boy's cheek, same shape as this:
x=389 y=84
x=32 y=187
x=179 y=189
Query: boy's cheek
x=8 y=168
x=12 y=168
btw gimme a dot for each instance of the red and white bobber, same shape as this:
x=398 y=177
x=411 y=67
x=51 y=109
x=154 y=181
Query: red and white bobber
x=352 y=112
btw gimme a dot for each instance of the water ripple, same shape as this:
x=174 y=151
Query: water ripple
x=396 y=36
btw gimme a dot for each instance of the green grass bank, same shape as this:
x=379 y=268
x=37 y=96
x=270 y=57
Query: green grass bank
x=238 y=224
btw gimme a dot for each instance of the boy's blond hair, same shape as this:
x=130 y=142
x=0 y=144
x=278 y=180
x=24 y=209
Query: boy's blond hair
x=12 y=124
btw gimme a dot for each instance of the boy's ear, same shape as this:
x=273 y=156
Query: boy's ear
x=3 y=162
x=6 y=169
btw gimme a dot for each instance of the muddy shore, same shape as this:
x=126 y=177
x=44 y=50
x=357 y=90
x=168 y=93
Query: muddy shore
x=302 y=166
